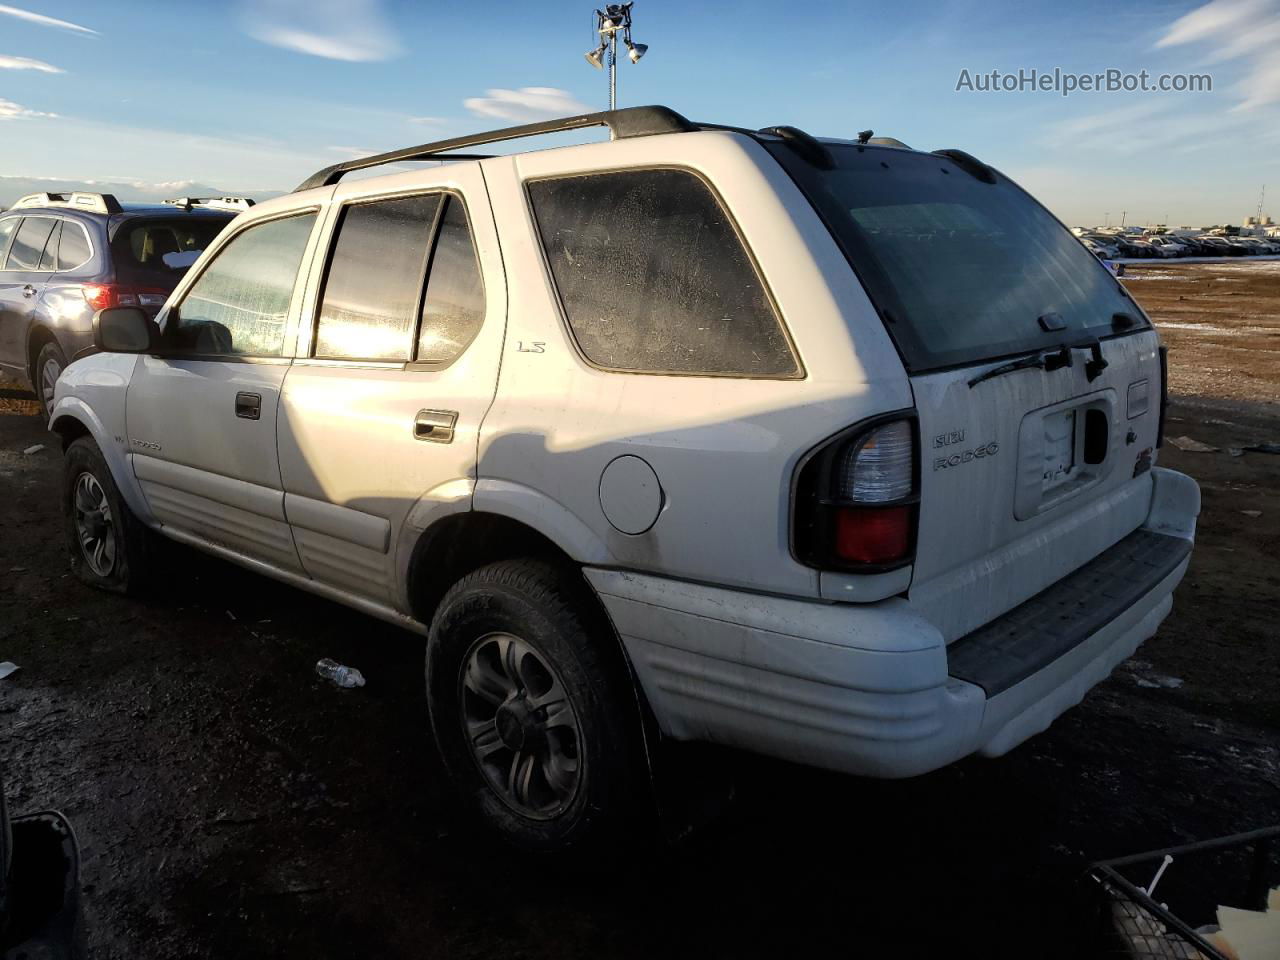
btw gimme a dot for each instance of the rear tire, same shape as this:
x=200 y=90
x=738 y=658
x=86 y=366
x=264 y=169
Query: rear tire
x=534 y=711
x=50 y=362
x=109 y=548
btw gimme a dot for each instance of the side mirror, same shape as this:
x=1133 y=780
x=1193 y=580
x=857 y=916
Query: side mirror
x=124 y=330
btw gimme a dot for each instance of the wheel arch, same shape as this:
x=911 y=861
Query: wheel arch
x=72 y=419
x=39 y=335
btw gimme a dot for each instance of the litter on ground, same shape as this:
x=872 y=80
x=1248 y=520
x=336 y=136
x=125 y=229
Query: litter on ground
x=8 y=667
x=1193 y=446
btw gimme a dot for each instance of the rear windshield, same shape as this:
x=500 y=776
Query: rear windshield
x=163 y=247
x=961 y=270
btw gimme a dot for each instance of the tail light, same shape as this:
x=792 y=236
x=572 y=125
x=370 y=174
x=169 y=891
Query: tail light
x=103 y=295
x=856 y=499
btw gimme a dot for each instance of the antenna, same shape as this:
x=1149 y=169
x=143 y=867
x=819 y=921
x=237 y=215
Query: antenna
x=1262 y=196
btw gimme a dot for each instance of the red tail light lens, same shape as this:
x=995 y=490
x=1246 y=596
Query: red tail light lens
x=873 y=535
x=856 y=499
x=103 y=295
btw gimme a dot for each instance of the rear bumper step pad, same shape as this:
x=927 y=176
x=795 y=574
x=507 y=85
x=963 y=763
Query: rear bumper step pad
x=1032 y=635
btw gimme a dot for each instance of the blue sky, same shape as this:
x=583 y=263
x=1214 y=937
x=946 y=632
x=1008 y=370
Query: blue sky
x=251 y=95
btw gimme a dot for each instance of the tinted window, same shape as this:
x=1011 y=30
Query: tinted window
x=7 y=227
x=28 y=245
x=454 y=306
x=654 y=278
x=73 y=250
x=240 y=303
x=371 y=295
x=164 y=246
x=49 y=259
x=960 y=269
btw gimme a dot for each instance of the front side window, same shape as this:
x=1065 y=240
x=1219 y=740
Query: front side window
x=654 y=278
x=29 y=243
x=240 y=303
x=370 y=302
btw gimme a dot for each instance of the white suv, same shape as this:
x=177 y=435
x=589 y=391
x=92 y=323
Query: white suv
x=831 y=450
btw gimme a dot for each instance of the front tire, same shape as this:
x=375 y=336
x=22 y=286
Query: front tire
x=533 y=709
x=50 y=362
x=108 y=546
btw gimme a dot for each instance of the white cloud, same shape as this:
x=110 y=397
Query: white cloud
x=1244 y=30
x=526 y=104
x=351 y=30
x=13 y=111
x=428 y=121
x=26 y=63
x=42 y=20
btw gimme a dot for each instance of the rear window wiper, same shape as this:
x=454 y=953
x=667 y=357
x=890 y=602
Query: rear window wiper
x=1052 y=360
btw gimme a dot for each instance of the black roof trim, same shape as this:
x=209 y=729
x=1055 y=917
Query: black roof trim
x=969 y=164
x=807 y=146
x=623 y=124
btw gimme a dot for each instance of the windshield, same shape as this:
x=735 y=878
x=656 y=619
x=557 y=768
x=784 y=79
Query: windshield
x=960 y=270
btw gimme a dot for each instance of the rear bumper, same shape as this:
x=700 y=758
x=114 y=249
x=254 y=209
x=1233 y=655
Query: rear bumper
x=872 y=689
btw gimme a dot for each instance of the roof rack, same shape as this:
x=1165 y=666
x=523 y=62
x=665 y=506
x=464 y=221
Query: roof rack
x=623 y=124
x=213 y=203
x=93 y=202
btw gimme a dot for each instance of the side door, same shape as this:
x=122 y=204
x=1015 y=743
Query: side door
x=397 y=366
x=21 y=283
x=201 y=416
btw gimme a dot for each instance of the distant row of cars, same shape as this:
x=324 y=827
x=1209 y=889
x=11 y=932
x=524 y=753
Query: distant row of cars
x=1108 y=246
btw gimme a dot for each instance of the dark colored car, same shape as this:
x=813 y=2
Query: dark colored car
x=63 y=257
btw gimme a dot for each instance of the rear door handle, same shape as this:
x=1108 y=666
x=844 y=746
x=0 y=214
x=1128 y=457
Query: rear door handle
x=28 y=291
x=249 y=406
x=435 y=425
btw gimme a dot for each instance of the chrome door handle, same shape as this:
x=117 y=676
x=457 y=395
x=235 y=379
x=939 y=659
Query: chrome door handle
x=435 y=425
x=28 y=291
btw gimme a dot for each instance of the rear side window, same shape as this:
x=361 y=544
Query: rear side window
x=28 y=245
x=49 y=259
x=374 y=306
x=453 y=308
x=73 y=249
x=654 y=278
x=7 y=228
x=240 y=303
x=371 y=295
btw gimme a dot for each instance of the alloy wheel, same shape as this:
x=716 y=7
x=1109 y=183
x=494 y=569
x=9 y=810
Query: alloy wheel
x=95 y=527
x=49 y=374
x=520 y=725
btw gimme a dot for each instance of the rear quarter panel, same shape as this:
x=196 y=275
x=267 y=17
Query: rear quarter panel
x=724 y=449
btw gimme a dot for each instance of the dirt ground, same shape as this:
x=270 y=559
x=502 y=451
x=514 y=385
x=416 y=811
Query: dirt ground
x=230 y=804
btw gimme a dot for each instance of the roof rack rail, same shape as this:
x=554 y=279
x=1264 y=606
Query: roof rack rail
x=80 y=200
x=809 y=147
x=213 y=203
x=623 y=124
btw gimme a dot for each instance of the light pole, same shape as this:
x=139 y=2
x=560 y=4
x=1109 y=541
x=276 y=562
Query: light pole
x=615 y=18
